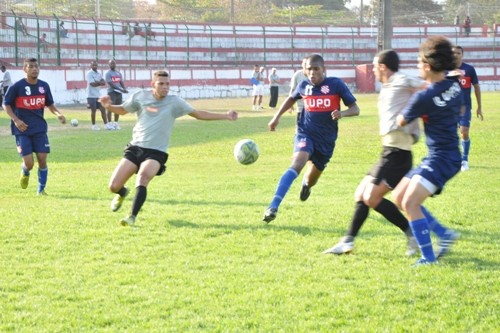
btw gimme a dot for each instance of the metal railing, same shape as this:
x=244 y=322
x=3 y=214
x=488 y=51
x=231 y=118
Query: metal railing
x=162 y=44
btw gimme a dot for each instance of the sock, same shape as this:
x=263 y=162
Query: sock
x=358 y=218
x=42 y=178
x=465 y=150
x=122 y=191
x=24 y=170
x=422 y=234
x=435 y=226
x=141 y=193
x=389 y=210
x=283 y=186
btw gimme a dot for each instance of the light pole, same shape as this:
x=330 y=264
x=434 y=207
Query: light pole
x=290 y=7
x=97 y=9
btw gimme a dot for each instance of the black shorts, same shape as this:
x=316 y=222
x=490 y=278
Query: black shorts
x=137 y=155
x=393 y=165
x=116 y=98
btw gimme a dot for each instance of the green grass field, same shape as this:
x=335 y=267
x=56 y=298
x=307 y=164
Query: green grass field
x=201 y=260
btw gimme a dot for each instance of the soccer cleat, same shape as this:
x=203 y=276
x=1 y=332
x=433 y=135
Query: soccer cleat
x=346 y=245
x=116 y=126
x=109 y=126
x=42 y=193
x=95 y=128
x=305 y=192
x=411 y=246
x=445 y=243
x=423 y=262
x=465 y=166
x=128 y=221
x=117 y=201
x=270 y=214
x=24 y=180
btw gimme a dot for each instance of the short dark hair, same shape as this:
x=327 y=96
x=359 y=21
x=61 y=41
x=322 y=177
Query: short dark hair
x=2 y=67
x=29 y=60
x=317 y=58
x=437 y=51
x=390 y=59
x=160 y=74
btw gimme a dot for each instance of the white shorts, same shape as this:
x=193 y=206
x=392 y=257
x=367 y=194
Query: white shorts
x=258 y=90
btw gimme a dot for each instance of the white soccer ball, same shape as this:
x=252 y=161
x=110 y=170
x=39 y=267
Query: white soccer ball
x=246 y=151
x=74 y=122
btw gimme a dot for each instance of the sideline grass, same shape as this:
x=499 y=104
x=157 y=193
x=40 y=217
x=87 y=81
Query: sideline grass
x=201 y=260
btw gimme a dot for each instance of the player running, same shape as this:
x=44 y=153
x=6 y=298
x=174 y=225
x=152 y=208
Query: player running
x=24 y=103
x=317 y=128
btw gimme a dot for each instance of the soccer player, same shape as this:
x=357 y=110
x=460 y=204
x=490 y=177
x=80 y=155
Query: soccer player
x=257 y=87
x=147 y=154
x=317 y=128
x=396 y=157
x=94 y=83
x=116 y=89
x=439 y=106
x=24 y=103
x=468 y=78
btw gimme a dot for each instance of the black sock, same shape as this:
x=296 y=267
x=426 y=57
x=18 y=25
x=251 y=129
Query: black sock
x=393 y=215
x=360 y=214
x=122 y=191
x=141 y=193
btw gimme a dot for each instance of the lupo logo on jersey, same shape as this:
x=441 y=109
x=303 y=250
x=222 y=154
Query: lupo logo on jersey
x=320 y=103
x=30 y=102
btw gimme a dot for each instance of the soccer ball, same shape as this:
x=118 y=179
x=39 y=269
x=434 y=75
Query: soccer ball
x=74 y=122
x=246 y=151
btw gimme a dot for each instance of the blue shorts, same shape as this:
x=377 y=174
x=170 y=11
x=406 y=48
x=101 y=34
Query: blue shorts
x=29 y=144
x=465 y=118
x=437 y=170
x=319 y=152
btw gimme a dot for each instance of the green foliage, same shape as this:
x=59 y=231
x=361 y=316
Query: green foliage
x=200 y=259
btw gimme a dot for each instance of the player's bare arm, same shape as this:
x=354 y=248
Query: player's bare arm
x=352 y=111
x=57 y=113
x=106 y=102
x=206 y=115
x=285 y=106
x=477 y=92
x=21 y=125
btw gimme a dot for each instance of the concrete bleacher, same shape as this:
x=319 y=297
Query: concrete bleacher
x=205 y=54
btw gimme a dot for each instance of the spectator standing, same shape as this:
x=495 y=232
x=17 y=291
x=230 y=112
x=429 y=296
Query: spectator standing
x=116 y=89
x=25 y=103
x=5 y=83
x=94 y=84
x=457 y=20
x=147 y=153
x=316 y=132
x=150 y=34
x=298 y=77
x=274 y=82
x=21 y=27
x=63 y=32
x=467 y=79
x=258 y=88
x=42 y=42
x=467 y=26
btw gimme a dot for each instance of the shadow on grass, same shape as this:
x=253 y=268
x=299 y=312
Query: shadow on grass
x=301 y=230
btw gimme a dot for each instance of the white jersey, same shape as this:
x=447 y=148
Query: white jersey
x=393 y=97
x=93 y=92
x=155 y=118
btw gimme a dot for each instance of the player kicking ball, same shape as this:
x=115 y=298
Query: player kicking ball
x=146 y=155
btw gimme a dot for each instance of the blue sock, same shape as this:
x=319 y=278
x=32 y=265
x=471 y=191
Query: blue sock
x=435 y=226
x=24 y=170
x=42 y=178
x=283 y=187
x=422 y=234
x=465 y=150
